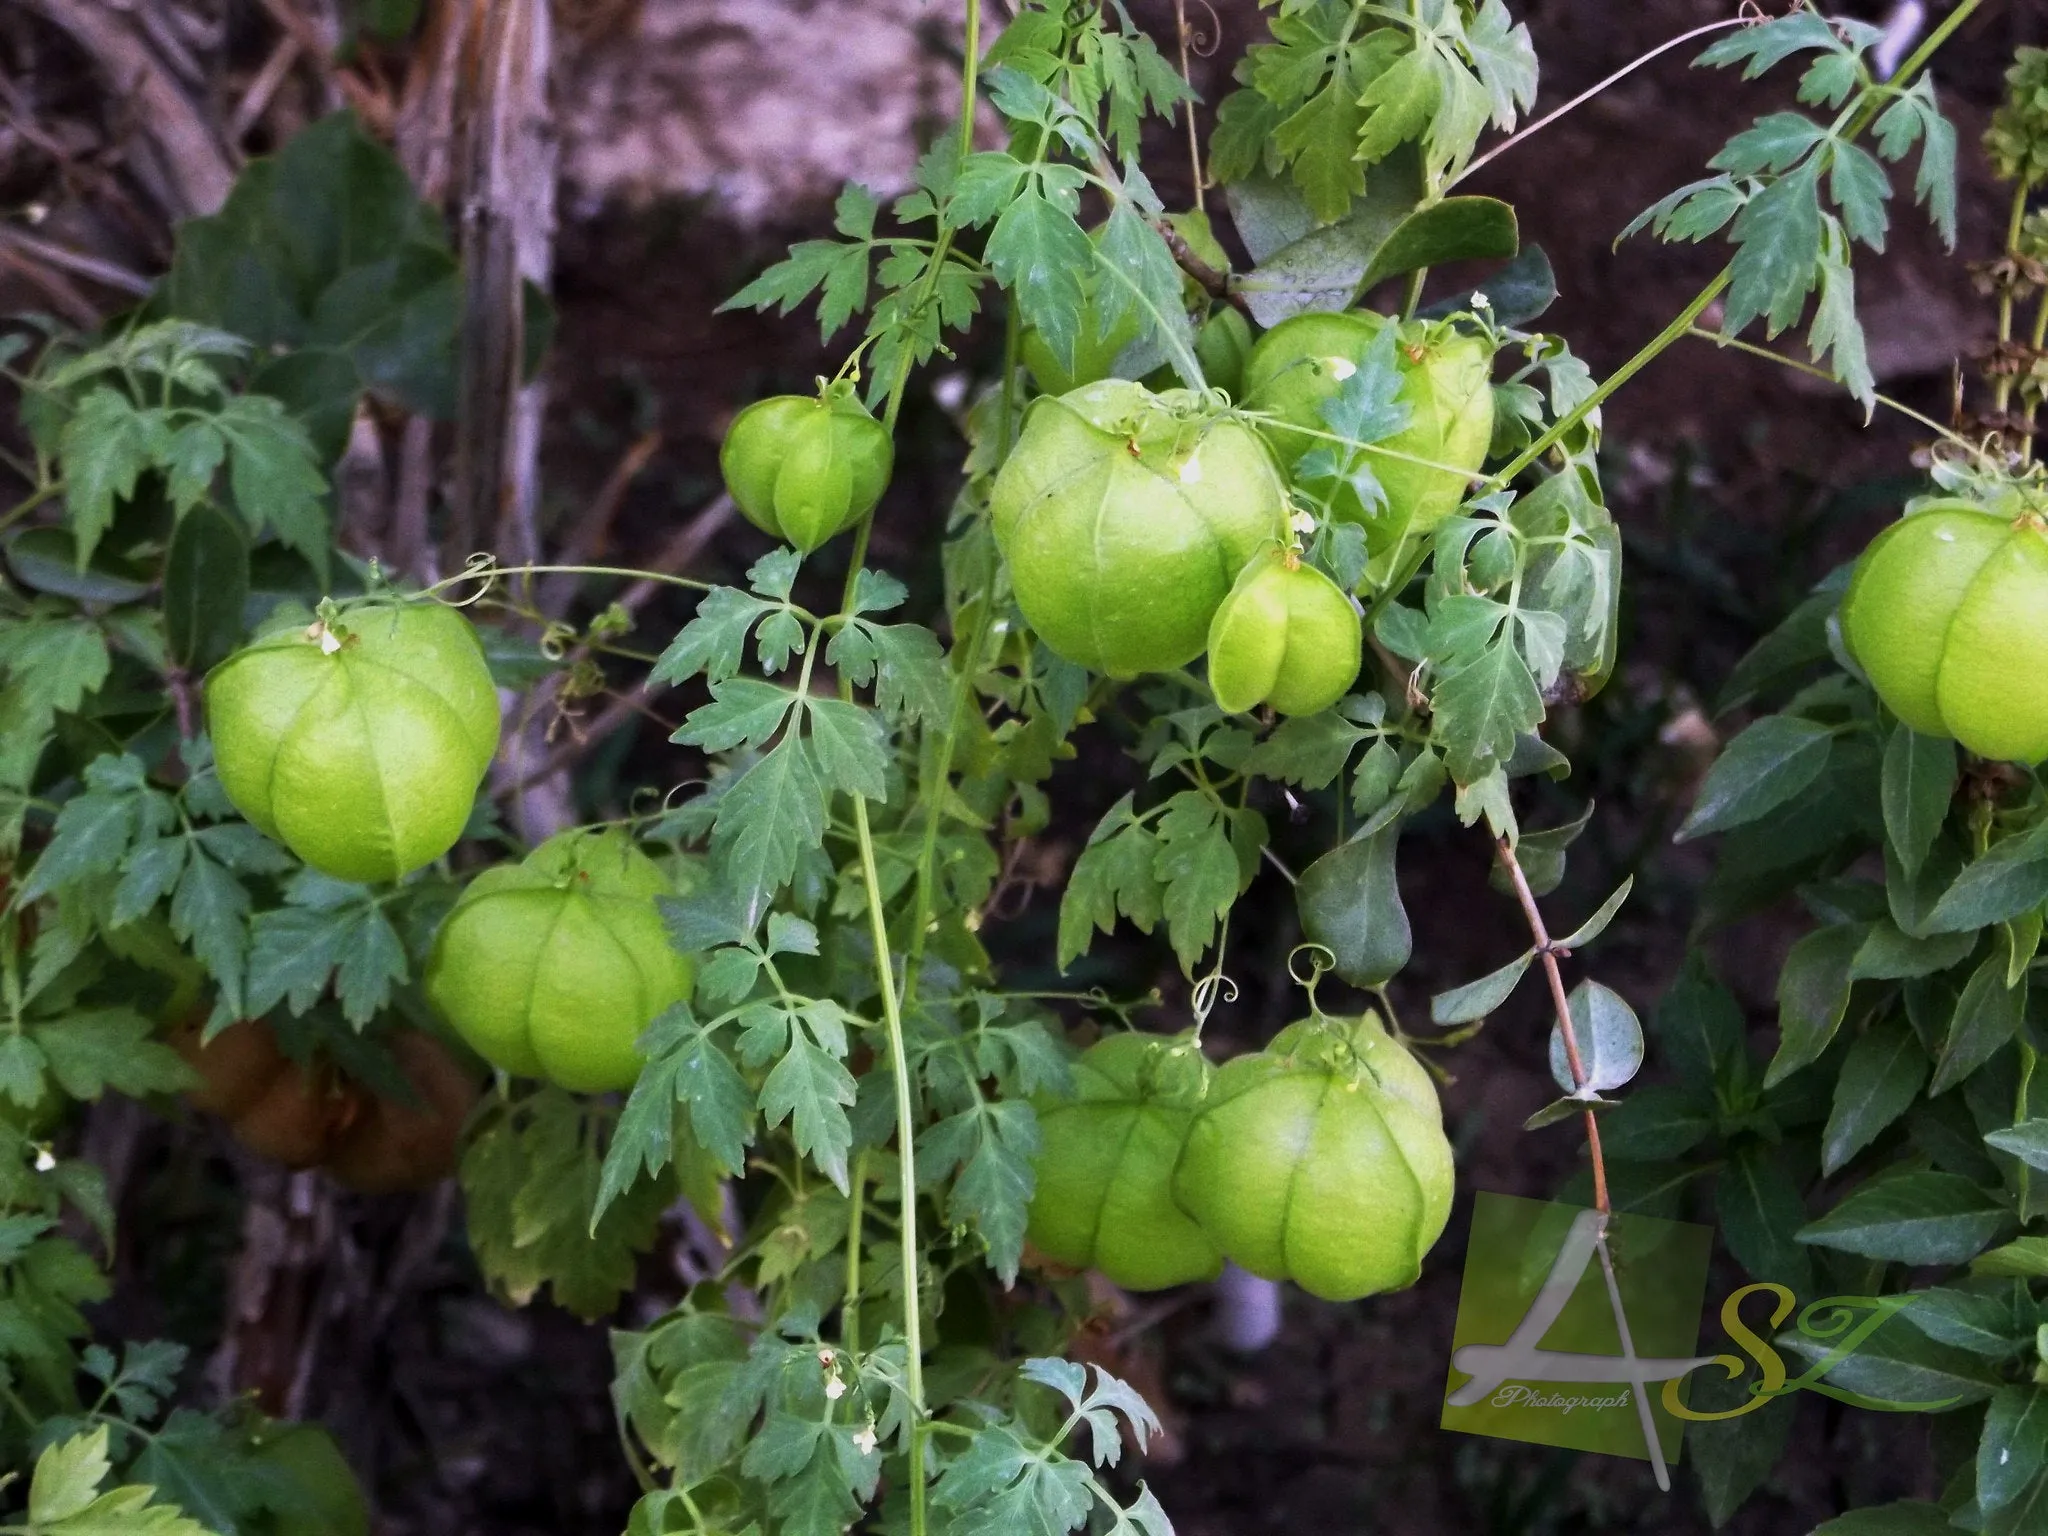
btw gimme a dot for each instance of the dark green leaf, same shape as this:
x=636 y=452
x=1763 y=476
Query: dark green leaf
x=2009 y=880
x=1987 y=1015
x=2027 y=1141
x=1813 y=994
x=1476 y=999
x=1701 y=1026
x=1350 y=904
x=1909 y=1518
x=1732 y=1457
x=1994 y=1321
x=2014 y=1444
x=1912 y=1218
x=1761 y=1217
x=1760 y=770
x=1919 y=777
x=206 y=585
x=1881 y=1076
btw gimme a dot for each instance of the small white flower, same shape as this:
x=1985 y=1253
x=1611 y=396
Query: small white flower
x=1481 y=301
x=864 y=1440
x=45 y=1160
x=1341 y=368
x=1303 y=522
x=835 y=1389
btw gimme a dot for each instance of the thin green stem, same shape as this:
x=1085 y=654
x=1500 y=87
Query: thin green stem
x=29 y=503
x=2001 y=391
x=1414 y=299
x=906 y=1162
x=2020 y=1115
x=486 y=573
x=1684 y=322
x=970 y=73
x=1809 y=369
x=849 y=1310
x=1530 y=130
x=1719 y=284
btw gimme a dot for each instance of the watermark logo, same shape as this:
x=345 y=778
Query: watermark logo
x=1580 y=1330
x=1569 y=1323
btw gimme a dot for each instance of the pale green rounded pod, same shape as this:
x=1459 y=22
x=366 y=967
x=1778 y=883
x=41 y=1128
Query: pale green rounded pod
x=359 y=743
x=1287 y=636
x=1426 y=467
x=1947 y=614
x=1322 y=1160
x=1124 y=517
x=1104 y=1193
x=804 y=468
x=553 y=967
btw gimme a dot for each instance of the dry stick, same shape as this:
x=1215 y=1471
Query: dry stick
x=1180 y=17
x=1547 y=952
x=592 y=531
x=106 y=273
x=198 y=168
x=256 y=100
x=55 y=287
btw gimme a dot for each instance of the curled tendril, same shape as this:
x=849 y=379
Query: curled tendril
x=1751 y=14
x=1208 y=991
x=644 y=794
x=1203 y=44
x=1319 y=957
x=556 y=639
x=481 y=568
x=668 y=795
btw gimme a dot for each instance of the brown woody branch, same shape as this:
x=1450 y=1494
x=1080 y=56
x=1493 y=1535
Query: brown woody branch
x=1547 y=953
x=1215 y=284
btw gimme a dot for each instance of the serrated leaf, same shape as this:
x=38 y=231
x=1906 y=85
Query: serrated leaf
x=1197 y=868
x=104 y=448
x=1116 y=875
x=275 y=476
x=1778 y=256
x=1482 y=708
x=1040 y=254
x=715 y=641
x=987 y=1151
x=811 y=1090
